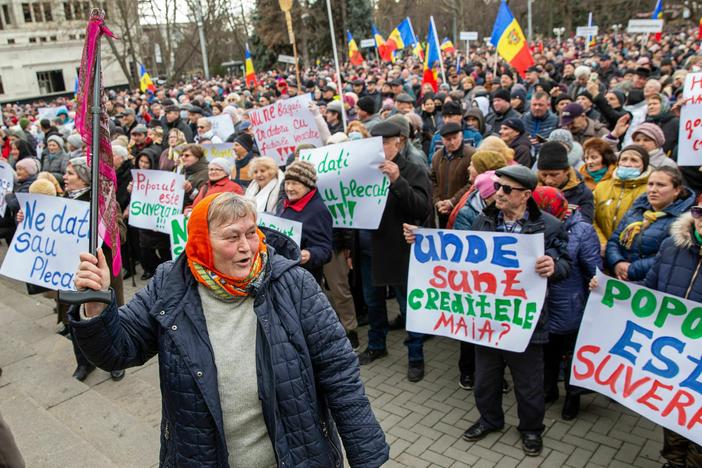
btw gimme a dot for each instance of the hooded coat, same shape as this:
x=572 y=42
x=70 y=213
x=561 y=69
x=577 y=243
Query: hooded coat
x=308 y=376
x=646 y=245
x=522 y=150
x=613 y=198
x=578 y=195
x=677 y=269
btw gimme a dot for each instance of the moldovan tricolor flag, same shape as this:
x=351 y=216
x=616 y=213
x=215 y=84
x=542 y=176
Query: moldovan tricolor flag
x=145 y=83
x=508 y=38
x=383 y=51
x=402 y=36
x=658 y=14
x=432 y=57
x=355 y=56
x=699 y=32
x=447 y=46
x=249 y=71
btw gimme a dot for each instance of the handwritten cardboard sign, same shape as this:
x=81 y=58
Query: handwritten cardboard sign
x=46 y=248
x=643 y=349
x=7 y=181
x=218 y=150
x=222 y=125
x=350 y=183
x=281 y=126
x=690 y=137
x=157 y=196
x=178 y=234
x=479 y=287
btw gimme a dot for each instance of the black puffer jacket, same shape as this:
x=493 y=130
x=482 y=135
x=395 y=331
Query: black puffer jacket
x=670 y=125
x=555 y=246
x=309 y=380
x=677 y=269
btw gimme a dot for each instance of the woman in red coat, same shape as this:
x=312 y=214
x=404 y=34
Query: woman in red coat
x=218 y=172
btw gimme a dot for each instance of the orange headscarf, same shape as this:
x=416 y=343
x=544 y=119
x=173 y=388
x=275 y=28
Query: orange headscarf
x=201 y=259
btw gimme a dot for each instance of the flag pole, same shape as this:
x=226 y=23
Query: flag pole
x=336 y=63
x=438 y=47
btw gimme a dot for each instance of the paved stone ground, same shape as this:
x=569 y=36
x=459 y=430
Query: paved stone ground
x=60 y=422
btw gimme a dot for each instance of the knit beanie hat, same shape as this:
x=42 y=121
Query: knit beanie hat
x=56 y=139
x=24 y=123
x=553 y=156
x=245 y=140
x=226 y=164
x=651 y=131
x=502 y=94
x=484 y=160
x=562 y=135
x=30 y=165
x=485 y=184
x=643 y=154
x=43 y=187
x=367 y=104
x=80 y=166
x=515 y=124
x=551 y=200
x=303 y=172
x=75 y=141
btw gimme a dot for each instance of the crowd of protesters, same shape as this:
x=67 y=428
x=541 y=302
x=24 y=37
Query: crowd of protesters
x=582 y=148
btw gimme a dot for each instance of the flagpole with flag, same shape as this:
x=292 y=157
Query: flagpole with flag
x=509 y=41
x=145 y=83
x=249 y=72
x=355 y=57
x=431 y=56
x=92 y=124
x=658 y=14
x=383 y=51
x=589 y=24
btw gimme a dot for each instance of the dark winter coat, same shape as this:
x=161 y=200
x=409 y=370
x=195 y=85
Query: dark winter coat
x=449 y=174
x=566 y=298
x=124 y=176
x=495 y=120
x=309 y=382
x=670 y=125
x=642 y=253
x=409 y=201
x=677 y=269
x=579 y=196
x=555 y=246
x=542 y=126
x=471 y=137
x=316 y=232
x=522 y=150
x=181 y=125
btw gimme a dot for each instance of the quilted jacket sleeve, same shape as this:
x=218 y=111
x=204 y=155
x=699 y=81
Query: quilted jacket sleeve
x=339 y=379
x=121 y=337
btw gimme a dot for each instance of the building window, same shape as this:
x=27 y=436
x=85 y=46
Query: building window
x=86 y=10
x=48 y=16
x=10 y=41
x=51 y=82
x=36 y=8
x=6 y=14
x=53 y=38
x=42 y=39
x=67 y=11
x=32 y=40
x=27 y=12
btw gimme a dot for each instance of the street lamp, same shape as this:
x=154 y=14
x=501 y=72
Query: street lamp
x=203 y=45
x=559 y=32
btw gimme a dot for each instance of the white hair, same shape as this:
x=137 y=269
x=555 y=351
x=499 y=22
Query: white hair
x=582 y=70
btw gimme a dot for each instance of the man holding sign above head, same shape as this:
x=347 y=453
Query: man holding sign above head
x=515 y=211
x=384 y=254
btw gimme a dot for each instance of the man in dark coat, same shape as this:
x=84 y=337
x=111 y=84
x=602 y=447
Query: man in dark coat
x=172 y=120
x=554 y=171
x=513 y=132
x=385 y=254
x=297 y=387
x=516 y=211
x=501 y=110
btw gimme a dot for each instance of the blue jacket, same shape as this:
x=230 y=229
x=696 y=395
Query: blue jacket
x=539 y=126
x=471 y=137
x=566 y=299
x=468 y=213
x=648 y=242
x=309 y=381
x=677 y=269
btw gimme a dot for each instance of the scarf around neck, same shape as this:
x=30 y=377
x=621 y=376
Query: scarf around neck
x=629 y=234
x=201 y=259
x=598 y=174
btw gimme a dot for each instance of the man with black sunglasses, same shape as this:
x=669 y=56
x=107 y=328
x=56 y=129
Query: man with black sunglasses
x=516 y=211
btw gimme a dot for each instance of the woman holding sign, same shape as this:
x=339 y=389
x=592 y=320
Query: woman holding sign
x=677 y=270
x=255 y=368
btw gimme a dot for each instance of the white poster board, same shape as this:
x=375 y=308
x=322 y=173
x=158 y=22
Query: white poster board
x=644 y=26
x=292 y=229
x=690 y=136
x=282 y=126
x=157 y=196
x=643 y=349
x=47 y=245
x=222 y=125
x=478 y=287
x=350 y=183
x=7 y=182
x=218 y=150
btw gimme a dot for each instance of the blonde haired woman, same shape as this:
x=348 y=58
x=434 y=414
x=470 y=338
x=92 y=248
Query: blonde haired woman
x=493 y=143
x=265 y=183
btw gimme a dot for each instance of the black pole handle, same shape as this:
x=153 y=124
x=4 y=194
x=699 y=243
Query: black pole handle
x=81 y=297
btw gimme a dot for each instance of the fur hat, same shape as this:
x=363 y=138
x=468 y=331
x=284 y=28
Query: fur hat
x=303 y=172
x=43 y=187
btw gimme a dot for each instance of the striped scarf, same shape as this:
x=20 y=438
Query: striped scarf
x=629 y=234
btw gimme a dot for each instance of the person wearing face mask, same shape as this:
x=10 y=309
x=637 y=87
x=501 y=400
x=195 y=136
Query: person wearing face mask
x=632 y=247
x=613 y=197
x=676 y=271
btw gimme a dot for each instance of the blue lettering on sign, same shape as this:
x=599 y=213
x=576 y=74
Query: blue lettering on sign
x=450 y=247
x=40 y=270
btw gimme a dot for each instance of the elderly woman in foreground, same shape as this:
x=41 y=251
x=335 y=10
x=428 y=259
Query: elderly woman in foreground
x=255 y=368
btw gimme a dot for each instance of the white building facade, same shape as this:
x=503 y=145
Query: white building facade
x=41 y=44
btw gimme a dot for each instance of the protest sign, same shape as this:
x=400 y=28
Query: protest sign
x=645 y=26
x=690 y=137
x=46 y=248
x=222 y=125
x=178 y=234
x=292 y=229
x=179 y=230
x=350 y=183
x=7 y=181
x=49 y=112
x=479 y=287
x=157 y=196
x=218 y=150
x=638 y=116
x=642 y=348
x=281 y=126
